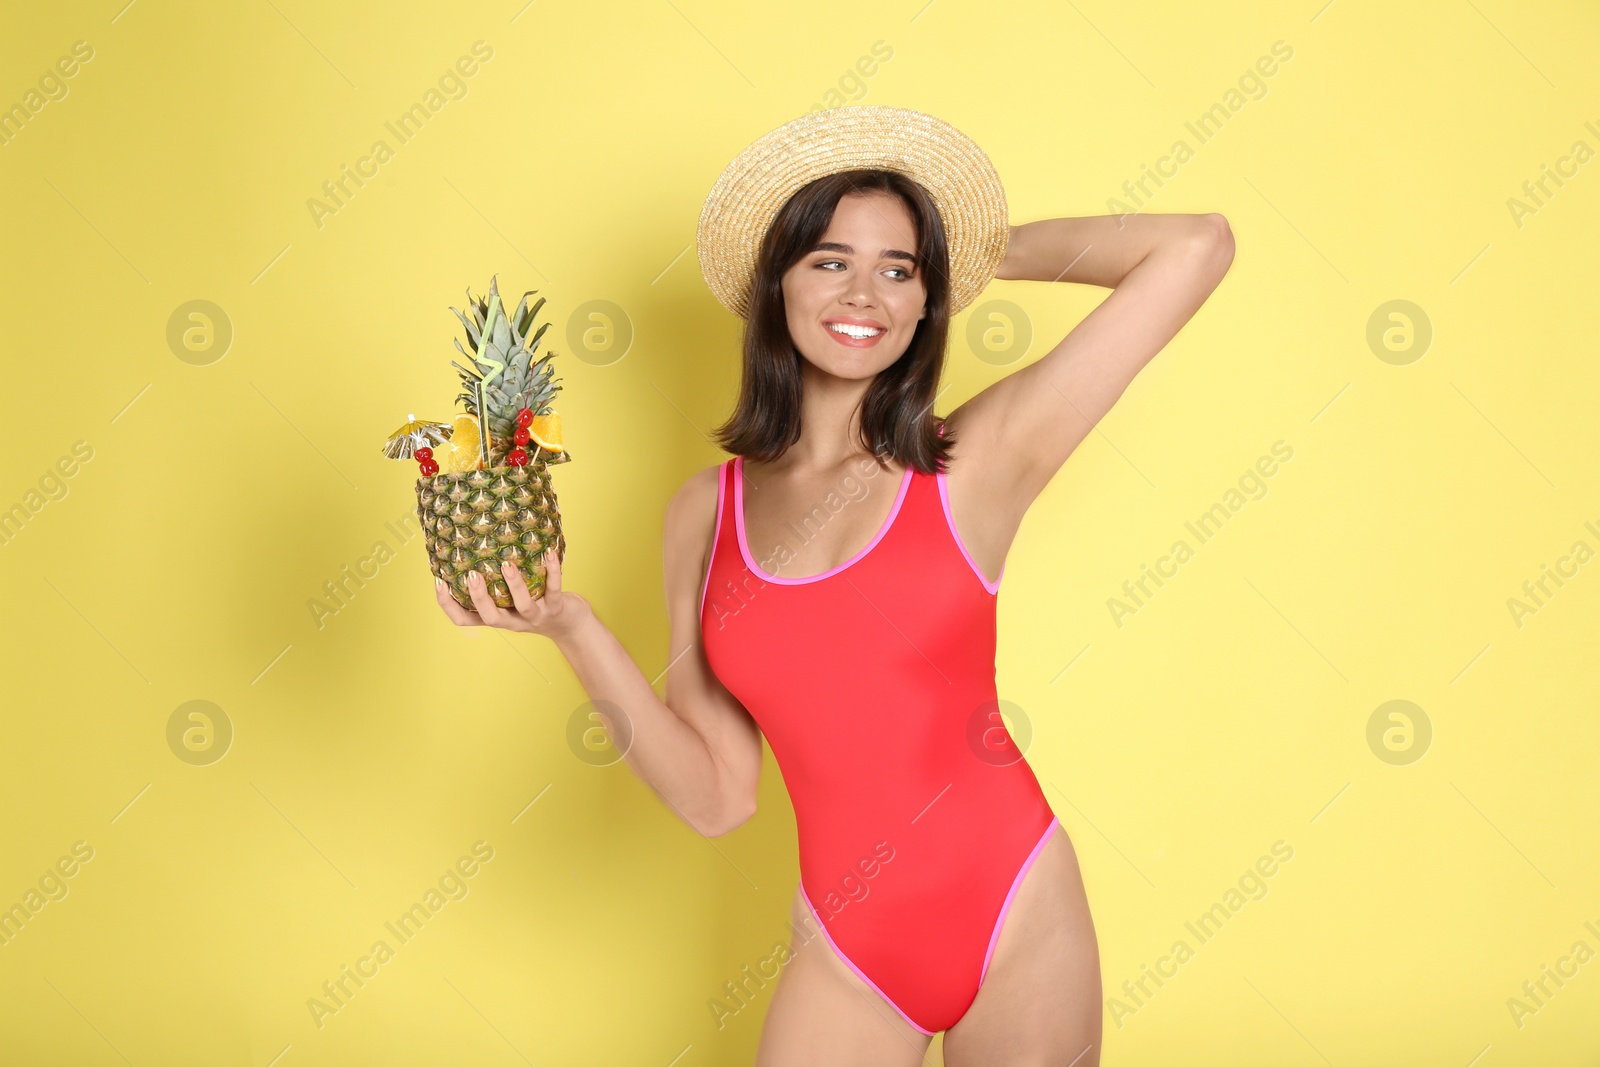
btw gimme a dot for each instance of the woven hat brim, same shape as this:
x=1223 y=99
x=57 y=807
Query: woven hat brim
x=752 y=189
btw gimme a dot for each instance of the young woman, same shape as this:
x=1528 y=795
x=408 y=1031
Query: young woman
x=830 y=587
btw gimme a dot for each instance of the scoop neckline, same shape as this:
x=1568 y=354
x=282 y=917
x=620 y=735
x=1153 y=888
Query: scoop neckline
x=744 y=546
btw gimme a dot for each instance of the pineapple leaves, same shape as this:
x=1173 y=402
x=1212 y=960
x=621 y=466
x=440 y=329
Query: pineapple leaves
x=501 y=371
x=520 y=320
x=532 y=343
x=472 y=331
x=500 y=334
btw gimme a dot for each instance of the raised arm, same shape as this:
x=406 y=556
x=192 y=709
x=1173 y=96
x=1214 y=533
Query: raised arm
x=1160 y=268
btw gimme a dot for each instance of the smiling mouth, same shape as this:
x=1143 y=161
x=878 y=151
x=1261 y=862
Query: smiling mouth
x=847 y=333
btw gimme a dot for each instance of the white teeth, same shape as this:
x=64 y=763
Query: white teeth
x=853 y=331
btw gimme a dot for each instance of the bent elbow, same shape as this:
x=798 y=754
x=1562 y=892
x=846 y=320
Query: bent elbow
x=1218 y=238
x=731 y=822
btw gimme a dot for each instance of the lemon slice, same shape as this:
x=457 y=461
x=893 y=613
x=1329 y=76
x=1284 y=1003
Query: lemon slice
x=464 y=442
x=545 y=430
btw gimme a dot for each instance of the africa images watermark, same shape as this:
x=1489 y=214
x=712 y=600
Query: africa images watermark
x=1138 y=592
x=740 y=993
x=851 y=88
x=52 y=885
x=1252 y=885
x=52 y=87
x=1538 y=592
x=1538 y=992
x=1538 y=192
x=733 y=597
x=1210 y=122
x=851 y=888
x=53 y=488
x=353 y=578
x=337 y=192
x=338 y=991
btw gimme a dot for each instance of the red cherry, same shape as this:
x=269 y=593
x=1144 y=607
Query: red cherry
x=518 y=456
x=525 y=418
x=424 y=453
x=429 y=468
x=521 y=436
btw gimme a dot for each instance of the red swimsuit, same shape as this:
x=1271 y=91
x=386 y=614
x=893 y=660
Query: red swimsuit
x=874 y=683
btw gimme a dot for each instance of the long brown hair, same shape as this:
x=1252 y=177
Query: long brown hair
x=896 y=412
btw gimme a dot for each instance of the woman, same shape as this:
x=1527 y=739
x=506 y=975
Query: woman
x=829 y=587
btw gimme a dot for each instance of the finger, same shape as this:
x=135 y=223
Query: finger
x=458 y=614
x=488 y=610
x=552 y=570
x=521 y=599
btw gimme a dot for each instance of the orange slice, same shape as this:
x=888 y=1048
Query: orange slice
x=464 y=441
x=546 y=432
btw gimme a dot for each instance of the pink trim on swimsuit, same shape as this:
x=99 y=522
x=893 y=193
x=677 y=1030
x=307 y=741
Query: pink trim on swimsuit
x=994 y=938
x=715 y=534
x=950 y=520
x=848 y=962
x=944 y=499
x=744 y=547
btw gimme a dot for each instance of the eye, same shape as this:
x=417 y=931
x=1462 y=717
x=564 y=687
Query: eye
x=905 y=272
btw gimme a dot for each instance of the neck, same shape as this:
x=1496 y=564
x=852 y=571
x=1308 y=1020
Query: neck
x=830 y=421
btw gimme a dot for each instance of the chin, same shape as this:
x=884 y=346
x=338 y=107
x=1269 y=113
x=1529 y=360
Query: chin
x=852 y=370
x=859 y=362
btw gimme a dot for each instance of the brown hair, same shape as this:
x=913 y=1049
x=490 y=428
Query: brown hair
x=896 y=419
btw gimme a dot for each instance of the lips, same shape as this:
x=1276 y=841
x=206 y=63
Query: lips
x=855 y=342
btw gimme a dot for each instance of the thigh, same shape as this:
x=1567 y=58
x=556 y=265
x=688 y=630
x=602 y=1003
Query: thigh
x=823 y=1013
x=1040 y=999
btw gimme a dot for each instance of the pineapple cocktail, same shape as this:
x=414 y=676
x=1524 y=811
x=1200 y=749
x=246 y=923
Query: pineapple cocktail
x=487 y=498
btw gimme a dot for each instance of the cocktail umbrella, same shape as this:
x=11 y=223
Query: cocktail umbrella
x=415 y=434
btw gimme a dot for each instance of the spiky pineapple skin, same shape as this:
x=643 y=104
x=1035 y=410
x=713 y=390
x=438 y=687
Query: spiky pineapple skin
x=473 y=520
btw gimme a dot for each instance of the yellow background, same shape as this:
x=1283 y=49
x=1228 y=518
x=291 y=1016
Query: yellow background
x=372 y=752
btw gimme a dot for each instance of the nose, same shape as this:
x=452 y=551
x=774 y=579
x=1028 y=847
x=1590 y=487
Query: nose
x=860 y=291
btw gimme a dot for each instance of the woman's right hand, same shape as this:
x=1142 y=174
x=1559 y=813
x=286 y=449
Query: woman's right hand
x=555 y=615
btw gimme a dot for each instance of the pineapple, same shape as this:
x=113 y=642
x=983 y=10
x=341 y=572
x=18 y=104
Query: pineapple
x=475 y=518
x=472 y=520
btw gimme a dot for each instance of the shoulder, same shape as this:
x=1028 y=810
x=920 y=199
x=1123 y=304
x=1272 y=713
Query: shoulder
x=693 y=498
x=691 y=516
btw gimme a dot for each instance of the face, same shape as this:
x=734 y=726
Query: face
x=862 y=274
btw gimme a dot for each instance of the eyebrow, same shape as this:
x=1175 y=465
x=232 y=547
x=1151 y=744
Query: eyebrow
x=888 y=253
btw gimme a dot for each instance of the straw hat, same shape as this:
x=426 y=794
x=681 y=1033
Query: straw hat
x=761 y=179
